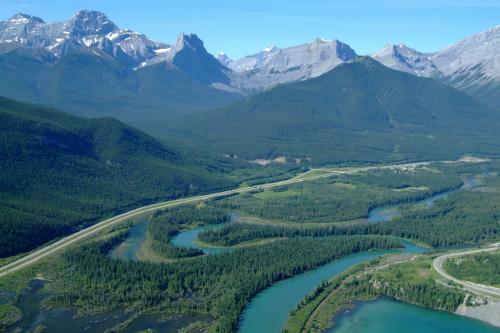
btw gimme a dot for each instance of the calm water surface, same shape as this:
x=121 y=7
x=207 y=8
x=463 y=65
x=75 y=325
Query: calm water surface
x=269 y=310
x=188 y=238
x=129 y=248
x=387 y=212
x=389 y=316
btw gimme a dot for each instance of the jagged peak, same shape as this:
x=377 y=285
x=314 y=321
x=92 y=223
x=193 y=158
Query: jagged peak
x=88 y=13
x=188 y=40
x=25 y=18
x=92 y=22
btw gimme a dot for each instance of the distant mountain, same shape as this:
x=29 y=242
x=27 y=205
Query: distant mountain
x=359 y=111
x=60 y=172
x=471 y=65
x=91 y=83
x=403 y=58
x=254 y=61
x=274 y=66
x=93 y=30
x=90 y=67
x=190 y=55
x=86 y=29
x=224 y=59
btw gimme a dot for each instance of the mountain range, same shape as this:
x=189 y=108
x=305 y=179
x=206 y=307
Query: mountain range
x=360 y=111
x=471 y=65
x=89 y=66
x=316 y=103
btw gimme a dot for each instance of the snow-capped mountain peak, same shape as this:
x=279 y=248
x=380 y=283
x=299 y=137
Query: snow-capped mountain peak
x=18 y=28
x=86 y=29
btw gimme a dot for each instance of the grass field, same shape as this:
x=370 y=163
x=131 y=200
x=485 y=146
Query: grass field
x=483 y=268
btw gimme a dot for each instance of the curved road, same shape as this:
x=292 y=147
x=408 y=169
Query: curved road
x=60 y=245
x=475 y=288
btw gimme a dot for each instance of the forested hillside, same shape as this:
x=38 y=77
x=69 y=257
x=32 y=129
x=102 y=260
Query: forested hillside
x=360 y=111
x=93 y=84
x=60 y=172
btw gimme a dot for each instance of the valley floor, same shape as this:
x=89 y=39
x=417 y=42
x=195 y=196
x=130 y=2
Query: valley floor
x=252 y=232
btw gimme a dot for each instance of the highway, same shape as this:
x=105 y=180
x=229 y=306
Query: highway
x=470 y=286
x=61 y=244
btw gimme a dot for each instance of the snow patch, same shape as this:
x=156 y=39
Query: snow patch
x=160 y=51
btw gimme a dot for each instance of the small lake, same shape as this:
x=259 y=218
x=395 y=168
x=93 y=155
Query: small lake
x=387 y=212
x=385 y=315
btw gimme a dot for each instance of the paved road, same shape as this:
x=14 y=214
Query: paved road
x=60 y=245
x=475 y=288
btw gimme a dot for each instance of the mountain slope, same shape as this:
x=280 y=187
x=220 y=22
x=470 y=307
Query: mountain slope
x=403 y=58
x=86 y=29
x=471 y=65
x=361 y=111
x=89 y=66
x=275 y=66
x=92 y=83
x=60 y=172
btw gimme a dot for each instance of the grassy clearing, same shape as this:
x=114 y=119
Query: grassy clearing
x=313 y=173
x=483 y=268
x=271 y=194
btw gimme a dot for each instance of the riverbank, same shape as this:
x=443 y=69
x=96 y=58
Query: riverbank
x=488 y=312
x=410 y=279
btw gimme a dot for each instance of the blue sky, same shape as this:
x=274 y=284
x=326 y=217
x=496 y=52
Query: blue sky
x=244 y=27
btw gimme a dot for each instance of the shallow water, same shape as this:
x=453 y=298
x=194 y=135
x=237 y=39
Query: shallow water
x=385 y=315
x=129 y=248
x=60 y=320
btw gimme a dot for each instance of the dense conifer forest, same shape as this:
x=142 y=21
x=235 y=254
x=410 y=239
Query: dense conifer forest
x=215 y=285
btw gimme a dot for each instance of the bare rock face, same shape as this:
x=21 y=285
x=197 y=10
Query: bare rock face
x=253 y=61
x=471 y=65
x=403 y=58
x=275 y=66
x=86 y=29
